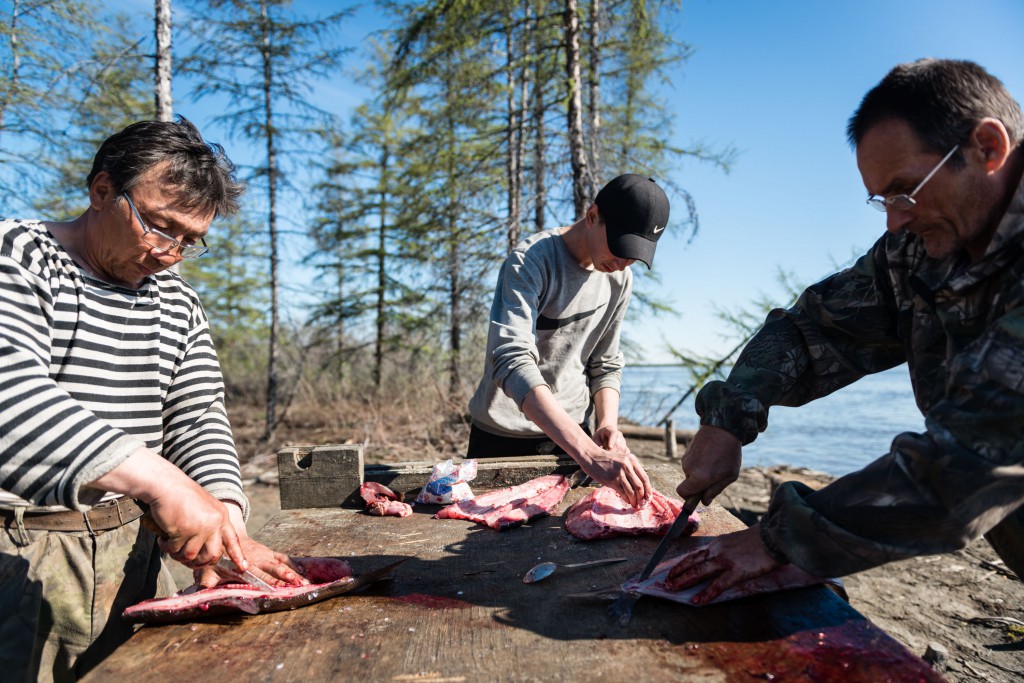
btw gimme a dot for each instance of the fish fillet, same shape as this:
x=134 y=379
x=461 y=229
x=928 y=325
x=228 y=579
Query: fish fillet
x=605 y=514
x=331 y=577
x=509 y=507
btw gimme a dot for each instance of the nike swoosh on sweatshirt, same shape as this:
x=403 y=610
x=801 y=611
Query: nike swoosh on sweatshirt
x=546 y=323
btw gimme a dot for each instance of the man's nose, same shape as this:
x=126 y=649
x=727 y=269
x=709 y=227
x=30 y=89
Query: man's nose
x=168 y=258
x=897 y=219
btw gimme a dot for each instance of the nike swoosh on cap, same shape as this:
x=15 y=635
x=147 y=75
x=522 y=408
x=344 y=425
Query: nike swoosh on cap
x=546 y=323
x=658 y=229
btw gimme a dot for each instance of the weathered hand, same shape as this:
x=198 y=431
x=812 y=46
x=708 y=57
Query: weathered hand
x=711 y=462
x=275 y=568
x=726 y=561
x=196 y=527
x=619 y=470
x=611 y=439
x=193 y=527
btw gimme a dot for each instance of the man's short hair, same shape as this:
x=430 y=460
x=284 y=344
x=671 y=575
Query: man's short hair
x=200 y=172
x=942 y=100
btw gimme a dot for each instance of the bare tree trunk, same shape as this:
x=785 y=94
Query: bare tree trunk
x=524 y=98
x=454 y=263
x=540 y=190
x=339 y=332
x=164 y=103
x=378 y=351
x=513 y=132
x=275 y=325
x=595 y=175
x=577 y=153
x=455 y=303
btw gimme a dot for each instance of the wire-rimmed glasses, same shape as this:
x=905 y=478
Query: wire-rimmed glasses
x=165 y=243
x=902 y=202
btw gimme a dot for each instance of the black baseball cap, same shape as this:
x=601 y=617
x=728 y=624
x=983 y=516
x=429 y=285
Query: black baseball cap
x=635 y=213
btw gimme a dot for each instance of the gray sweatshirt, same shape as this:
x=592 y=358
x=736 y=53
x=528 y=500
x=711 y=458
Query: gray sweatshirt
x=554 y=323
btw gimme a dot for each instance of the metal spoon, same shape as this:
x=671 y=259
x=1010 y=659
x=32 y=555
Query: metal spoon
x=546 y=569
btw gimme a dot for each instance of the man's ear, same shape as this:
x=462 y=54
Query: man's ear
x=101 y=191
x=992 y=142
x=593 y=214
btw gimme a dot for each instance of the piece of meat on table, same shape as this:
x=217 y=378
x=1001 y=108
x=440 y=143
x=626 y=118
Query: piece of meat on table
x=509 y=507
x=382 y=501
x=605 y=514
x=329 y=576
x=782 y=578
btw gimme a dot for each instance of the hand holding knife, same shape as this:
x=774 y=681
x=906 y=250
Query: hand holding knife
x=224 y=563
x=674 y=532
x=622 y=609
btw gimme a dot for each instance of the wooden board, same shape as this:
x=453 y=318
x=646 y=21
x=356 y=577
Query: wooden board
x=457 y=610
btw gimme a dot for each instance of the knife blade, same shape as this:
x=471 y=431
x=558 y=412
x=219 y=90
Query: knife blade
x=674 y=532
x=225 y=563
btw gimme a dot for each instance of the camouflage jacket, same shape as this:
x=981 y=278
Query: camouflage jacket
x=959 y=326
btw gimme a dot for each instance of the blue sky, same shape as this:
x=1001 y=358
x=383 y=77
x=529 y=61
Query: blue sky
x=777 y=81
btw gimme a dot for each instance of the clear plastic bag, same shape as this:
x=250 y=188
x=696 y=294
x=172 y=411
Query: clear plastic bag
x=448 y=483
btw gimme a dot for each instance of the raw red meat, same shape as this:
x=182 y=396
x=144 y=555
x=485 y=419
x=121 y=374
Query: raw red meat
x=382 y=501
x=505 y=508
x=604 y=514
x=330 y=576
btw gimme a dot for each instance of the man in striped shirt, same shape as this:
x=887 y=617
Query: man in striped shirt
x=111 y=402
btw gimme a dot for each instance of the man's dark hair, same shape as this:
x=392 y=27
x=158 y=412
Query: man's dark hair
x=200 y=172
x=942 y=100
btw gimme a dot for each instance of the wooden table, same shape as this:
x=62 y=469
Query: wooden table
x=458 y=611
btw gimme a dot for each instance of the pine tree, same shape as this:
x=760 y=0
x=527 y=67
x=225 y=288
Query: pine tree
x=47 y=63
x=265 y=64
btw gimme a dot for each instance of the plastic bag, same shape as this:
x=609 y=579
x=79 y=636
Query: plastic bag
x=447 y=483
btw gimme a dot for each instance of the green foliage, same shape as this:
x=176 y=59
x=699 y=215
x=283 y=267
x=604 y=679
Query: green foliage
x=233 y=289
x=120 y=89
x=59 y=63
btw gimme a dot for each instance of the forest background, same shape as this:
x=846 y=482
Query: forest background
x=396 y=150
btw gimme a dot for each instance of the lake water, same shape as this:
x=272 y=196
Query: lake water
x=836 y=434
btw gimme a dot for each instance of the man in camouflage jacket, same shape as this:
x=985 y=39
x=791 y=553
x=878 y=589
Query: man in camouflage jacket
x=939 y=149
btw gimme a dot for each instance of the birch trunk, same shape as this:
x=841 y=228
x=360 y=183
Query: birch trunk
x=164 y=103
x=596 y=174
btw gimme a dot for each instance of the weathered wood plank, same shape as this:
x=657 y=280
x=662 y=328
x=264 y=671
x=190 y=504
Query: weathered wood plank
x=320 y=476
x=457 y=610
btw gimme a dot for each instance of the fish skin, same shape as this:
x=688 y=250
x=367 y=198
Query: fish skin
x=331 y=577
x=783 y=578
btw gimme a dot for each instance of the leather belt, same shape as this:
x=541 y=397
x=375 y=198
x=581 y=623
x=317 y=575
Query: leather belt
x=109 y=515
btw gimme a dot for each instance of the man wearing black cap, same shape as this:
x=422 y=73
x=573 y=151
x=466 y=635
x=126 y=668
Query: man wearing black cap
x=553 y=362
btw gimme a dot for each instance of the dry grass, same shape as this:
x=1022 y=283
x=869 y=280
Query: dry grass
x=411 y=425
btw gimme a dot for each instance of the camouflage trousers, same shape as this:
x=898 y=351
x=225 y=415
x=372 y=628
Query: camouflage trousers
x=1007 y=539
x=62 y=593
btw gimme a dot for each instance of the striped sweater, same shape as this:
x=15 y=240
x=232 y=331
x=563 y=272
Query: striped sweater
x=91 y=372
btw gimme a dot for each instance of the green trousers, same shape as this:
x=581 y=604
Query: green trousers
x=62 y=593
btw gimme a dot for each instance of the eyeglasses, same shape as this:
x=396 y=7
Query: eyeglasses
x=166 y=243
x=902 y=202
